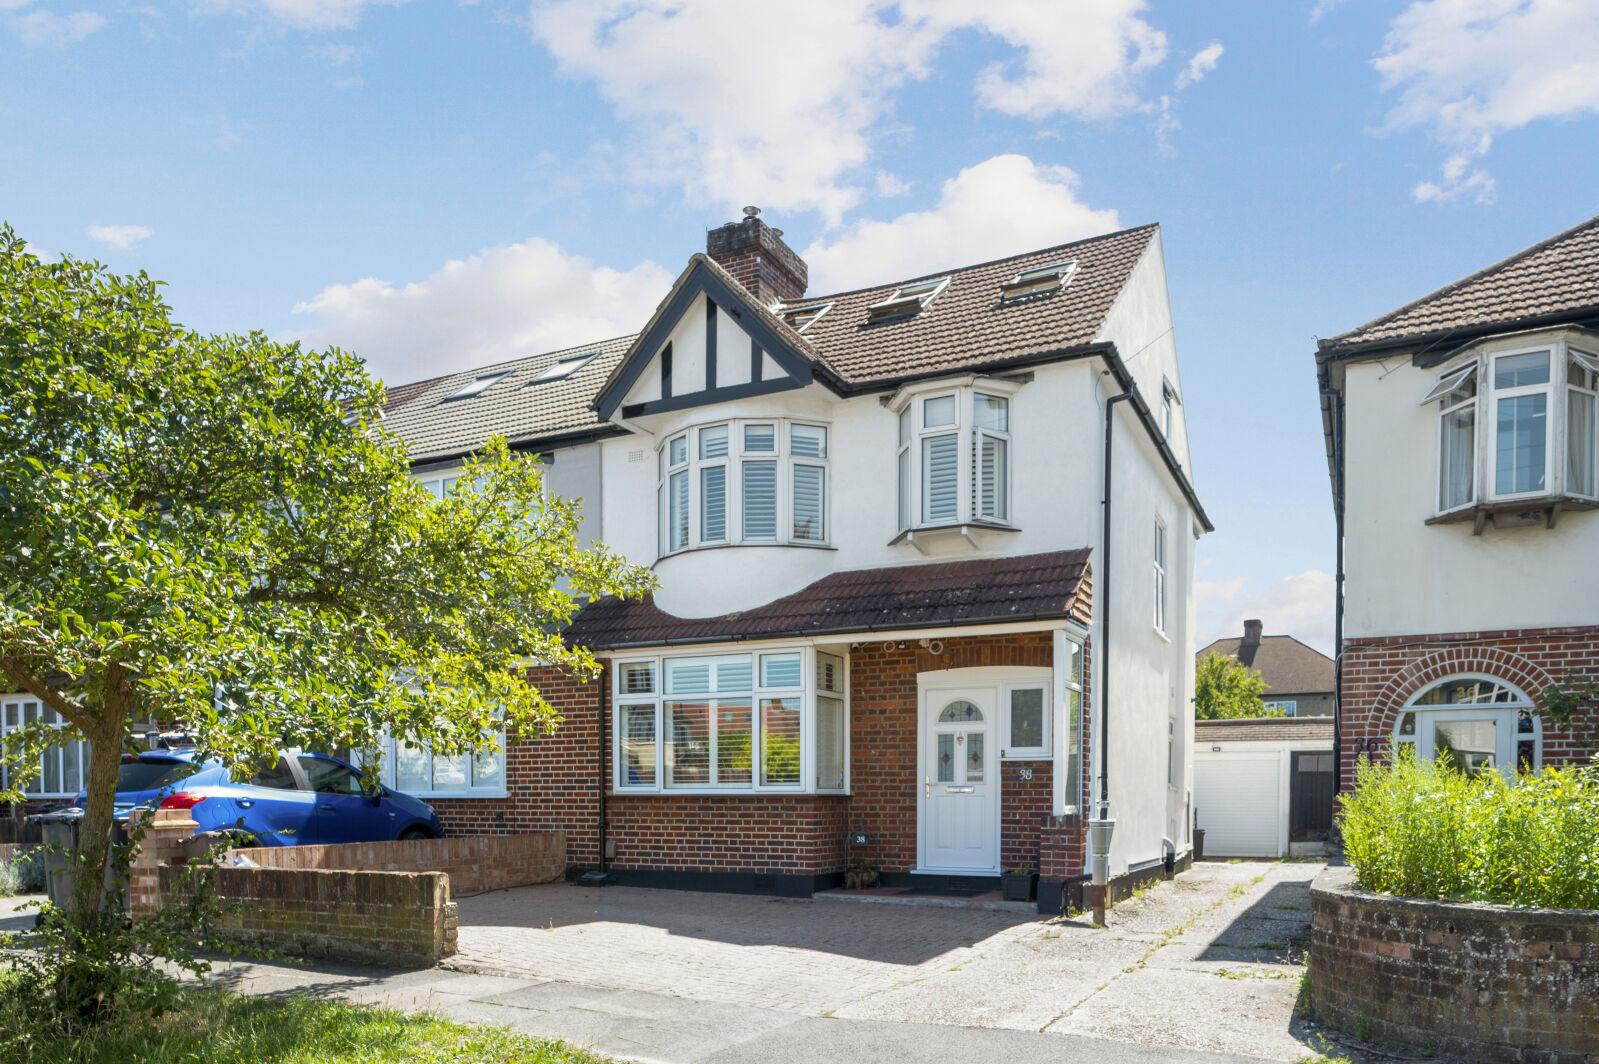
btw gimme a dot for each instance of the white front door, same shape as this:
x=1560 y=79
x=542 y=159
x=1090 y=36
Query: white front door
x=960 y=788
x=1474 y=740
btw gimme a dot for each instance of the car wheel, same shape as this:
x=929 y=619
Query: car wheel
x=414 y=832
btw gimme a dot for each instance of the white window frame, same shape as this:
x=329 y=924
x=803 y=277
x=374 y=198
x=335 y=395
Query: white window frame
x=1508 y=712
x=1290 y=707
x=1554 y=353
x=1045 y=750
x=806 y=692
x=734 y=461
x=1072 y=765
x=911 y=487
x=1160 y=576
x=13 y=718
x=439 y=483
x=1590 y=363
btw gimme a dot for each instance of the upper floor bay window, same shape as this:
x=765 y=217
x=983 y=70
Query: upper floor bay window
x=773 y=720
x=954 y=458
x=1518 y=425
x=744 y=482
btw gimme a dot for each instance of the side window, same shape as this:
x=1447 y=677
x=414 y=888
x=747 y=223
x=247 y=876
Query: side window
x=328 y=777
x=278 y=776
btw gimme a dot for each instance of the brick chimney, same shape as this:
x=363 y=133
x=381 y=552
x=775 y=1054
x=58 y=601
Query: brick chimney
x=1252 y=631
x=754 y=253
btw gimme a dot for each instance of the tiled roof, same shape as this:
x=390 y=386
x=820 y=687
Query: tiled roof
x=1288 y=666
x=968 y=324
x=1557 y=276
x=436 y=427
x=1275 y=729
x=986 y=591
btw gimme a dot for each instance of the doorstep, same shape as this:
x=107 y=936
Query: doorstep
x=991 y=900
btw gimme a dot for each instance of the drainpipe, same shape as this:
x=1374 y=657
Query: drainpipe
x=1337 y=401
x=1101 y=827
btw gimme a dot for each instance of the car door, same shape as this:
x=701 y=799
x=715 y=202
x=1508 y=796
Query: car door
x=273 y=805
x=343 y=811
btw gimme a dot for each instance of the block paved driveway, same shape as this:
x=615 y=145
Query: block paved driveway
x=1209 y=962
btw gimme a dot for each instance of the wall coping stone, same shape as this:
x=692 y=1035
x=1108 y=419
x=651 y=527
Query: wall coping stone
x=1339 y=882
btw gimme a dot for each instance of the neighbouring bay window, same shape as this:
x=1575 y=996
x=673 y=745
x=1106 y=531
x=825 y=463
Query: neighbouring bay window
x=953 y=456
x=731 y=722
x=419 y=772
x=1518 y=425
x=744 y=482
x=62 y=769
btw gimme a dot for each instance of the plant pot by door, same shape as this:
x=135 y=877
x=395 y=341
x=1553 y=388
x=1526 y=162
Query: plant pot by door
x=1019 y=886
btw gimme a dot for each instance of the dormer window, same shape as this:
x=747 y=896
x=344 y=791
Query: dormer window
x=478 y=385
x=1536 y=439
x=800 y=318
x=749 y=482
x=907 y=300
x=563 y=367
x=1037 y=281
x=954 y=458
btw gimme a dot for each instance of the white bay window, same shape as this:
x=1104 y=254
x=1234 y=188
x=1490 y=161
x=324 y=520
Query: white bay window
x=731 y=722
x=750 y=482
x=61 y=770
x=953 y=457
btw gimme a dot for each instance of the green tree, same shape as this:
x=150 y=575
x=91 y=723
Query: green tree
x=218 y=533
x=1224 y=688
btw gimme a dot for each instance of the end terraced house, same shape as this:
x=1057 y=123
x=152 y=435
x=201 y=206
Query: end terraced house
x=1463 y=442
x=912 y=540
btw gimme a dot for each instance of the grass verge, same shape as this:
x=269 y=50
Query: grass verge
x=215 y=1026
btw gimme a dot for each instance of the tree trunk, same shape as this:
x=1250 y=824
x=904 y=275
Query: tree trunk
x=99 y=809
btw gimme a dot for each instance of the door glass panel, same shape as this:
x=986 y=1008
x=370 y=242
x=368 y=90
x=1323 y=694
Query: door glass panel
x=974 y=757
x=1471 y=746
x=946 y=758
x=959 y=711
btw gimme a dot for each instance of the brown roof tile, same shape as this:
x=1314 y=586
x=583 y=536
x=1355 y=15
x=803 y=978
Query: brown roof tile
x=1288 y=666
x=986 y=591
x=1274 y=729
x=1559 y=275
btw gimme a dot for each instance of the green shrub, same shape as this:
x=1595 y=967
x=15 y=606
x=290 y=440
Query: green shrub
x=1423 y=829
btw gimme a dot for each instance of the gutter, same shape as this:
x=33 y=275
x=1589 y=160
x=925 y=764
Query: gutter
x=535 y=443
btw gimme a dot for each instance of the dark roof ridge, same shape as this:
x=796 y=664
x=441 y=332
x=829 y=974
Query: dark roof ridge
x=1337 y=341
x=790 y=304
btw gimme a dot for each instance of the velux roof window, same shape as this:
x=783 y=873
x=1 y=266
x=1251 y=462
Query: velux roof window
x=1037 y=281
x=907 y=300
x=478 y=385
x=800 y=317
x=563 y=367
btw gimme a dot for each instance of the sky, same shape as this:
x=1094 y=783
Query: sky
x=437 y=186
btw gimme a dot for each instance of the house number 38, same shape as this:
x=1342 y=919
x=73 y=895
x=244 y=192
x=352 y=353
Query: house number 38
x=1025 y=773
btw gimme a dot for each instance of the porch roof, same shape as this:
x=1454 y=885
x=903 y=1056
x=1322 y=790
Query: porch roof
x=1029 y=587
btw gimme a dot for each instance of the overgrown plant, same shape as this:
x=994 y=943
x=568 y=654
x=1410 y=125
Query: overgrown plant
x=1225 y=689
x=218 y=532
x=1421 y=828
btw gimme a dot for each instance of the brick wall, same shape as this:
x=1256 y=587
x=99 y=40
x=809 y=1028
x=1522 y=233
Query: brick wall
x=396 y=919
x=474 y=863
x=1381 y=674
x=1484 y=982
x=787 y=834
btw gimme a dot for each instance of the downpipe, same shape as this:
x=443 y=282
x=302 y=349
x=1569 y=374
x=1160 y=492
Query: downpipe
x=1101 y=828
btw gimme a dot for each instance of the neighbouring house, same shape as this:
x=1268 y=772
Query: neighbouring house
x=1263 y=786
x=1299 y=679
x=1463 y=444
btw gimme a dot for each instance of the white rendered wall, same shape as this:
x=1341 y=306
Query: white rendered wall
x=1405 y=577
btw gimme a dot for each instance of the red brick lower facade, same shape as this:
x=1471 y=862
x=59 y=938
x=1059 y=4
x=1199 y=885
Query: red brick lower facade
x=554 y=783
x=1380 y=675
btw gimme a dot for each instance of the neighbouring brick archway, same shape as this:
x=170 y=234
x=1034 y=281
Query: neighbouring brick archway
x=1503 y=665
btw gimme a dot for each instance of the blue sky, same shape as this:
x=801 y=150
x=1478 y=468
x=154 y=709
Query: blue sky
x=437 y=186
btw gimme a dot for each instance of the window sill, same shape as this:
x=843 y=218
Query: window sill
x=1026 y=755
x=926 y=537
x=804 y=544
x=1163 y=636
x=683 y=792
x=428 y=796
x=1515 y=513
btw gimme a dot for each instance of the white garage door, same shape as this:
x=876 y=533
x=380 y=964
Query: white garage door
x=1238 y=798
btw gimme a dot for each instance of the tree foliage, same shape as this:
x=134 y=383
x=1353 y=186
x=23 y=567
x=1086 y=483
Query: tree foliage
x=218 y=532
x=1225 y=688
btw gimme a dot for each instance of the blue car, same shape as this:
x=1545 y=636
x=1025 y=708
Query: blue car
x=302 y=799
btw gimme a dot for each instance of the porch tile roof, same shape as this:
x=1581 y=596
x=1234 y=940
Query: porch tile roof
x=981 y=591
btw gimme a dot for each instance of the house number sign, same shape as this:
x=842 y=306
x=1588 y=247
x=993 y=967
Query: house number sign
x=1025 y=773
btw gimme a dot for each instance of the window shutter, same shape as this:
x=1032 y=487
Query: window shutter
x=679 y=511
x=991 y=477
x=713 y=503
x=808 y=484
x=760 y=500
x=940 y=478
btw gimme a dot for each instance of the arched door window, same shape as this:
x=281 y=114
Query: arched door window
x=1476 y=723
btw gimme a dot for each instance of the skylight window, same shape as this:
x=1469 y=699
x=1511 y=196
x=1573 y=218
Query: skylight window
x=800 y=317
x=478 y=385
x=563 y=367
x=907 y=300
x=1036 y=282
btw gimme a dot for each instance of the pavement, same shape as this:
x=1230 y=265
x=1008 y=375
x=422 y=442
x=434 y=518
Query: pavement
x=1202 y=969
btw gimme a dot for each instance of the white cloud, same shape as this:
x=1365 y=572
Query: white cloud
x=1202 y=63
x=504 y=302
x=1301 y=605
x=1322 y=8
x=1002 y=206
x=46 y=27
x=120 y=237
x=761 y=103
x=306 y=14
x=1469 y=70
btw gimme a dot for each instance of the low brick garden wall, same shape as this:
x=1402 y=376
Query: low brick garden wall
x=1485 y=982
x=475 y=863
x=396 y=919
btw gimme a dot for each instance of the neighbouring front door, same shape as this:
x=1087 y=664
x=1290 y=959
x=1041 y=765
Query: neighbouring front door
x=960 y=813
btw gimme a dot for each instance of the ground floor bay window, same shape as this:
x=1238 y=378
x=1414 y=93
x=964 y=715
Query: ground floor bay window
x=767 y=721
x=61 y=769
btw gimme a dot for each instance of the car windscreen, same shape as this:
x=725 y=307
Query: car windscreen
x=152 y=774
